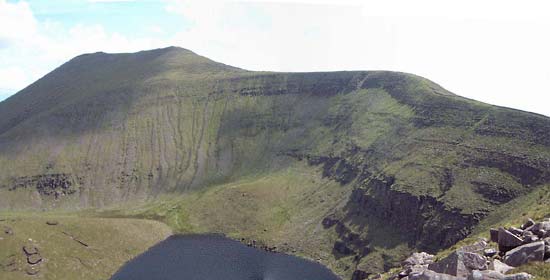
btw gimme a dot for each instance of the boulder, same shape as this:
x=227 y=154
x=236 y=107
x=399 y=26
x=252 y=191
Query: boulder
x=489 y=252
x=421 y=258
x=508 y=240
x=518 y=276
x=494 y=235
x=52 y=223
x=474 y=261
x=525 y=253
x=527 y=224
x=536 y=228
x=478 y=275
x=500 y=267
x=516 y=231
x=432 y=275
x=459 y=264
x=477 y=247
x=530 y=239
x=494 y=275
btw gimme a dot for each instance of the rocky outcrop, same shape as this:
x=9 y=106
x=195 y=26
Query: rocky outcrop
x=54 y=185
x=460 y=263
x=425 y=222
x=481 y=262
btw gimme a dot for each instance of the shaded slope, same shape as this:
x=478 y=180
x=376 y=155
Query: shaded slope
x=418 y=164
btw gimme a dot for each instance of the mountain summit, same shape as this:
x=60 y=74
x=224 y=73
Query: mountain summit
x=358 y=168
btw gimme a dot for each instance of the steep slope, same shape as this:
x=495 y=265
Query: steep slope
x=401 y=163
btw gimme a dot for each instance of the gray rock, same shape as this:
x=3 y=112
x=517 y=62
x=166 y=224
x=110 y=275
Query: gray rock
x=421 y=258
x=527 y=233
x=516 y=231
x=530 y=239
x=500 y=267
x=518 y=276
x=507 y=240
x=494 y=275
x=489 y=252
x=525 y=253
x=477 y=247
x=527 y=224
x=432 y=275
x=494 y=235
x=474 y=261
x=459 y=264
x=536 y=228
x=476 y=275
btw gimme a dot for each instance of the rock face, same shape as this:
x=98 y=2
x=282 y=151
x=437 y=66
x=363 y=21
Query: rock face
x=525 y=253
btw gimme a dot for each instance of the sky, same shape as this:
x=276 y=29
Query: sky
x=495 y=51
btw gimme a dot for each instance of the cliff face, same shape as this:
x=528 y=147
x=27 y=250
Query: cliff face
x=106 y=128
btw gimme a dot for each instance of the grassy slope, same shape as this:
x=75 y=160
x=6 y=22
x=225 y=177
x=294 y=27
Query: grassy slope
x=111 y=242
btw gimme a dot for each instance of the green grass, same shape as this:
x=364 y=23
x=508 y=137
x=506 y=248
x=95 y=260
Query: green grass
x=111 y=243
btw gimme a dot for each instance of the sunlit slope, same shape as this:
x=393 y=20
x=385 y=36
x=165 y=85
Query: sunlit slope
x=416 y=161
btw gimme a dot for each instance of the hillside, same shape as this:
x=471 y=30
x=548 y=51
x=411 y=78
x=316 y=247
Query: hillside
x=354 y=169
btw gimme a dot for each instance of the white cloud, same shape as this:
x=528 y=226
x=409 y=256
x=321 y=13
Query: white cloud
x=16 y=22
x=493 y=51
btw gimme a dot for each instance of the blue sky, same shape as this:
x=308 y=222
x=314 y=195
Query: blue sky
x=131 y=18
x=492 y=50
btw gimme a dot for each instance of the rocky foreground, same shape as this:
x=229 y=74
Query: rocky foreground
x=481 y=260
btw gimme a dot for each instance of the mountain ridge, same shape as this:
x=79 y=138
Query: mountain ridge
x=329 y=163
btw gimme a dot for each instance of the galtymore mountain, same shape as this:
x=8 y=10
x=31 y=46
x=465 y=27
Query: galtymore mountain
x=354 y=169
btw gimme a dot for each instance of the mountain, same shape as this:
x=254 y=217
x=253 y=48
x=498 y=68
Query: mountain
x=355 y=169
